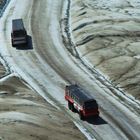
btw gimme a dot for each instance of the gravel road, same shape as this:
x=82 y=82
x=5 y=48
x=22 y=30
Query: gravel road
x=47 y=67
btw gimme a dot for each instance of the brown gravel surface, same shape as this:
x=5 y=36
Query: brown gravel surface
x=2 y=70
x=24 y=115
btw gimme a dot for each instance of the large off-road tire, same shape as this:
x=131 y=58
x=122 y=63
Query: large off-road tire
x=69 y=105
x=72 y=108
x=13 y=44
x=81 y=116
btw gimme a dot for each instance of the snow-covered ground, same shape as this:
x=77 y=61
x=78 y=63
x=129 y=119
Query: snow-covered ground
x=26 y=115
x=48 y=67
x=106 y=35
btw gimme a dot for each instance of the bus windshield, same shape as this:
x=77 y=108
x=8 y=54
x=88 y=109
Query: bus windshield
x=90 y=105
x=19 y=33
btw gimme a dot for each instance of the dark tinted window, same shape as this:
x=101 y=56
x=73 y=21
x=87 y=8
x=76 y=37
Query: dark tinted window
x=90 y=105
x=19 y=33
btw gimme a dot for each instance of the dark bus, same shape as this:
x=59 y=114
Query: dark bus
x=79 y=100
x=18 y=34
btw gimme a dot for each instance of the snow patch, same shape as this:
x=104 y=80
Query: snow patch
x=109 y=3
x=17 y=116
x=19 y=102
x=137 y=56
x=84 y=131
x=7 y=77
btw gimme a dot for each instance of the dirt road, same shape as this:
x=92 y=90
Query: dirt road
x=47 y=66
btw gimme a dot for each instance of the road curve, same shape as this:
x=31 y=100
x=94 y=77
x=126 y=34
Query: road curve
x=47 y=66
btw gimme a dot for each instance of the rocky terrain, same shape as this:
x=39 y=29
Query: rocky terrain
x=2 y=70
x=25 y=115
x=107 y=34
x=104 y=32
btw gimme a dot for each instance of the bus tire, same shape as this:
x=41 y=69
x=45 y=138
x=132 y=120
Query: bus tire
x=69 y=105
x=81 y=116
x=13 y=44
x=72 y=108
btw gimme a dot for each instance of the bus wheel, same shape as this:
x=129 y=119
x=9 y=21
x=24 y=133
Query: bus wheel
x=72 y=108
x=13 y=44
x=69 y=105
x=81 y=116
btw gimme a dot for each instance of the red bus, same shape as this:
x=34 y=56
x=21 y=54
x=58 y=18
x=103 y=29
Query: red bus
x=80 y=101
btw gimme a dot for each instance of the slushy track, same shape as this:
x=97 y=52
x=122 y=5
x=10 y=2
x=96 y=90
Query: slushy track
x=48 y=67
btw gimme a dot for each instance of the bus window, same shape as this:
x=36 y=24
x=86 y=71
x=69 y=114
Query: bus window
x=90 y=105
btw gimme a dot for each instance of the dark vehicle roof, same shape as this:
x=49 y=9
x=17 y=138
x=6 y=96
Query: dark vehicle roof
x=17 y=24
x=81 y=94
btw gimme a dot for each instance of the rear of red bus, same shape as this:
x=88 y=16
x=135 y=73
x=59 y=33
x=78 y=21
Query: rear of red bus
x=90 y=108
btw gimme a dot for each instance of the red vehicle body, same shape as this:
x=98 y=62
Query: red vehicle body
x=81 y=101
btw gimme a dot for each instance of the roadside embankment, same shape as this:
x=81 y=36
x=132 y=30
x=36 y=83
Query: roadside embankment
x=106 y=33
x=2 y=70
x=23 y=113
x=3 y=4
